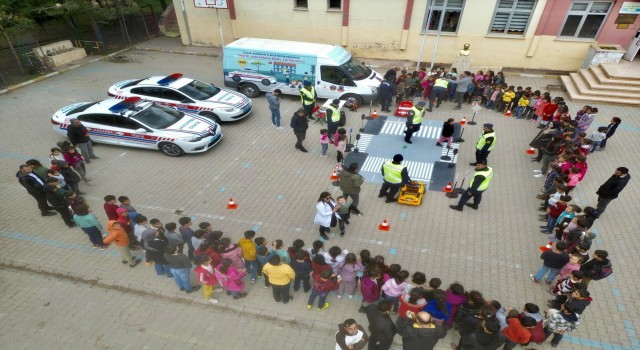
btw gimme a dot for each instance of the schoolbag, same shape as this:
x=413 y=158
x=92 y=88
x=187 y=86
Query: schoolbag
x=599 y=272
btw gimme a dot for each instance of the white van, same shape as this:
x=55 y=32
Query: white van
x=253 y=65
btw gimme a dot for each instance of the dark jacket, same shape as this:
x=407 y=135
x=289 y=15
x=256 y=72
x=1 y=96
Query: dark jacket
x=588 y=267
x=350 y=182
x=55 y=197
x=77 y=134
x=551 y=148
x=154 y=251
x=30 y=183
x=299 y=124
x=341 y=334
x=387 y=89
x=481 y=340
x=70 y=176
x=380 y=325
x=543 y=138
x=418 y=338
x=448 y=129
x=612 y=187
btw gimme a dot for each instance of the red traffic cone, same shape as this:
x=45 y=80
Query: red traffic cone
x=544 y=248
x=374 y=115
x=448 y=188
x=334 y=176
x=507 y=113
x=531 y=151
x=384 y=226
x=463 y=121
x=232 y=204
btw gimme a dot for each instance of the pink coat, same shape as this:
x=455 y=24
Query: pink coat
x=454 y=301
x=232 y=281
x=234 y=253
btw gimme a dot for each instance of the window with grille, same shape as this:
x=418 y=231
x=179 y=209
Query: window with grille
x=512 y=16
x=334 y=4
x=300 y=4
x=450 y=11
x=585 y=19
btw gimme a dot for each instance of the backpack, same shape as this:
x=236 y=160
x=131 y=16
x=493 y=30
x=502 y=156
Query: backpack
x=599 y=272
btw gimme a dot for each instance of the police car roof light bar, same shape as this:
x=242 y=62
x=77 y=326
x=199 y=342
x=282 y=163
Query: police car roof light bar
x=125 y=104
x=170 y=79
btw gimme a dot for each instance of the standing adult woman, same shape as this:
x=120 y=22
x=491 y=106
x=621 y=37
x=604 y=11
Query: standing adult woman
x=326 y=215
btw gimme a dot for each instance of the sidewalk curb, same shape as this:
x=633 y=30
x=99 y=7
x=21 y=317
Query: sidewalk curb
x=193 y=53
x=64 y=70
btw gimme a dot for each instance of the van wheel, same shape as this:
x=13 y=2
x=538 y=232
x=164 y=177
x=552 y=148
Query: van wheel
x=236 y=78
x=171 y=149
x=266 y=82
x=211 y=116
x=358 y=98
x=249 y=90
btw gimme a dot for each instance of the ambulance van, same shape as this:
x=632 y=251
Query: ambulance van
x=260 y=65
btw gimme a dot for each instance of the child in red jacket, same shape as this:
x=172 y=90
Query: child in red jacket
x=516 y=331
x=322 y=285
x=537 y=331
x=206 y=276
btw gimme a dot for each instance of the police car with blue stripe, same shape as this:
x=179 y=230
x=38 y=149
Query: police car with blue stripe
x=187 y=95
x=134 y=122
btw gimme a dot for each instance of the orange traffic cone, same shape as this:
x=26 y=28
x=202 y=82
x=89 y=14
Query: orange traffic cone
x=531 y=151
x=463 y=121
x=544 y=248
x=384 y=226
x=374 y=115
x=448 y=188
x=334 y=176
x=232 y=204
x=507 y=113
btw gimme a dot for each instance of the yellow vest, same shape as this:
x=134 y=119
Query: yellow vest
x=417 y=115
x=392 y=172
x=310 y=94
x=441 y=82
x=483 y=141
x=488 y=175
x=335 y=114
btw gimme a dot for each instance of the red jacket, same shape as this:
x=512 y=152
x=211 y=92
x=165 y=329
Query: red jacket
x=212 y=253
x=205 y=277
x=548 y=111
x=557 y=209
x=317 y=269
x=516 y=332
x=110 y=210
x=322 y=285
x=537 y=332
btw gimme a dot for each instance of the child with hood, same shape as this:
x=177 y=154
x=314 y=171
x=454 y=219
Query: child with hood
x=119 y=236
x=231 y=252
x=231 y=278
x=455 y=297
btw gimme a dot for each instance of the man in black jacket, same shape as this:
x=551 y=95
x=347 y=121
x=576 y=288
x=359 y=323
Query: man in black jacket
x=79 y=136
x=612 y=188
x=381 y=326
x=300 y=124
x=55 y=195
x=35 y=187
x=418 y=332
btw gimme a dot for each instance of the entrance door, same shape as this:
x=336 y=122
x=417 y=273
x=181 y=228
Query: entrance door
x=634 y=47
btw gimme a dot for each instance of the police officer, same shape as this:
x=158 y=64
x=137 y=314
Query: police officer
x=414 y=120
x=438 y=91
x=485 y=144
x=308 y=97
x=333 y=117
x=479 y=183
x=395 y=175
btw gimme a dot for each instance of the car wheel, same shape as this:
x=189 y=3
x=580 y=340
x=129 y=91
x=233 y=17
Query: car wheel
x=211 y=116
x=266 y=82
x=249 y=90
x=171 y=149
x=236 y=78
x=358 y=98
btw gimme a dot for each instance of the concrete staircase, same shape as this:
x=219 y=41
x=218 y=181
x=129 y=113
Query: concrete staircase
x=605 y=83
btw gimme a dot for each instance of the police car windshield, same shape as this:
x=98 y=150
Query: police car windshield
x=198 y=90
x=158 y=117
x=357 y=69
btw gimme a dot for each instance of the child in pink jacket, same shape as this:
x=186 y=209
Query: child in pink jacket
x=231 y=278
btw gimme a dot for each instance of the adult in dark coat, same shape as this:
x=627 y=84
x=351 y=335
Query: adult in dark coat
x=543 y=138
x=55 y=197
x=300 y=124
x=381 y=326
x=79 y=136
x=386 y=91
x=486 y=337
x=35 y=187
x=350 y=183
x=418 y=332
x=612 y=188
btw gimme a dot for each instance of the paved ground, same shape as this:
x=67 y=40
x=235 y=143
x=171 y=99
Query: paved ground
x=111 y=306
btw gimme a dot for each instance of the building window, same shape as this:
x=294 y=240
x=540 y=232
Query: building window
x=512 y=16
x=585 y=18
x=450 y=12
x=334 y=4
x=300 y=4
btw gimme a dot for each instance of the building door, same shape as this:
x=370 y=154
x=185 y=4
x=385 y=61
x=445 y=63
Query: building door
x=634 y=47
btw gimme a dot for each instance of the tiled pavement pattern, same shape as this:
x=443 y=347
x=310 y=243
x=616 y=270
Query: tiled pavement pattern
x=111 y=306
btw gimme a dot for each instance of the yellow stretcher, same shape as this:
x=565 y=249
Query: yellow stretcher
x=412 y=193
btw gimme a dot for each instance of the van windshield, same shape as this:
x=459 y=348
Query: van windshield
x=357 y=69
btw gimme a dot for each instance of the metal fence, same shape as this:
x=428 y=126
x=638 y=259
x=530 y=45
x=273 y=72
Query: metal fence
x=116 y=34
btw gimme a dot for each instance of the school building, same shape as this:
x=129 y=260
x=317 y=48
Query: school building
x=536 y=34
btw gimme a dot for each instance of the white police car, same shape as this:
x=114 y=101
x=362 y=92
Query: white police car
x=187 y=95
x=136 y=123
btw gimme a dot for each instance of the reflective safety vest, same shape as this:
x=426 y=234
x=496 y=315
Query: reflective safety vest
x=335 y=114
x=483 y=141
x=310 y=94
x=392 y=172
x=441 y=82
x=417 y=115
x=488 y=175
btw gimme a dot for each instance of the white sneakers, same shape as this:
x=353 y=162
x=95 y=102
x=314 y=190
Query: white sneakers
x=213 y=301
